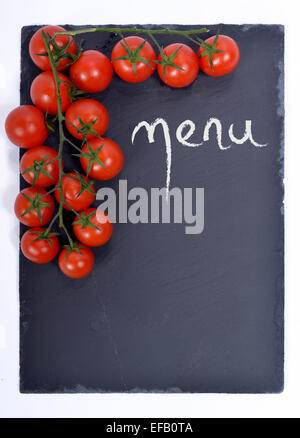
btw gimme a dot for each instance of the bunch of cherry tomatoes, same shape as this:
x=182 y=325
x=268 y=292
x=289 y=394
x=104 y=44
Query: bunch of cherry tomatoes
x=134 y=60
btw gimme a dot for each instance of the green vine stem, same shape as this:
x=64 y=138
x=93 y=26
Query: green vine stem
x=133 y=30
x=60 y=116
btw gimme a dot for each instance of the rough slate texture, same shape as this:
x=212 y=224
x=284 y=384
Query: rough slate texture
x=163 y=311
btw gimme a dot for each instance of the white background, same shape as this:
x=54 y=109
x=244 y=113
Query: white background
x=15 y=14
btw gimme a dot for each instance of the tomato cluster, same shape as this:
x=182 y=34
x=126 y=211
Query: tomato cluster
x=134 y=60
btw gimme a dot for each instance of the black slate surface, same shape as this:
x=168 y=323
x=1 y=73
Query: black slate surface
x=162 y=310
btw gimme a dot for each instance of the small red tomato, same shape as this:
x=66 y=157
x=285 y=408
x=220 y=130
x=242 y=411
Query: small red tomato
x=31 y=210
x=39 y=248
x=101 y=159
x=78 y=191
x=223 y=62
x=43 y=92
x=35 y=169
x=181 y=65
x=37 y=47
x=88 y=111
x=76 y=263
x=92 y=72
x=25 y=126
x=87 y=233
x=137 y=55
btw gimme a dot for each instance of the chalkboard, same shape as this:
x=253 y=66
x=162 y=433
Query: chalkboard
x=164 y=310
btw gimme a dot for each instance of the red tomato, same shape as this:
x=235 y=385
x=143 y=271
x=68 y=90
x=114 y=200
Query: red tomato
x=89 y=235
x=43 y=92
x=42 y=250
x=78 y=191
x=25 y=126
x=137 y=66
x=98 y=153
x=37 y=46
x=182 y=56
x=34 y=167
x=31 y=210
x=88 y=110
x=223 y=62
x=76 y=263
x=92 y=72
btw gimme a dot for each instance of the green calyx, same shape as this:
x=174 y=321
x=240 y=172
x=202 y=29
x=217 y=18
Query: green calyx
x=44 y=235
x=168 y=61
x=37 y=168
x=133 y=56
x=85 y=220
x=50 y=122
x=210 y=49
x=85 y=128
x=92 y=156
x=59 y=53
x=74 y=246
x=84 y=185
x=35 y=204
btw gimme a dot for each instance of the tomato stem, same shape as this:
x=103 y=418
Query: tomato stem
x=133 y=30
x=60 y=118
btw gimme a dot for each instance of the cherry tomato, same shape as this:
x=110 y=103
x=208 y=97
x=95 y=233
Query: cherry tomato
x=78 y=191
x=25 y=126
x=89 y=235
x=223 y=62
x=138 y=53
x=37 y=248
x=98 y=153
x=37 y=47
x=76 y=263
x=88 y=110
x=31 y=210
x=186 y=59
x=92 y=72
x=34 y=167
x=43 y=92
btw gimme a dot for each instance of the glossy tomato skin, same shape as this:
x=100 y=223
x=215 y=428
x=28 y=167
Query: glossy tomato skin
x=223 y=63
x=31 y=219
x=37 y=46
x=124 y=69
x=37 y=154
x=186 y=59
x=92 y=72
x=90 y=236
x=25 y=126
x=111 y=156
x=40 y=251
x=43 y=92
x=71 y=189
x=75 y=264
x=88 y=110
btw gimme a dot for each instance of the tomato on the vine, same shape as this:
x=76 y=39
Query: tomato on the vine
x=43 y=92
x=92 y=72
x=101 y=159
x=37 y=48
x=34 y=207
x=178 y=65
x=25 y=126
x=132 y=59
x=93 y=227
x=39 y=246
x=76 y=262
x=38 y=167
x=78 y=191
x=219 y=55
x=86 y=114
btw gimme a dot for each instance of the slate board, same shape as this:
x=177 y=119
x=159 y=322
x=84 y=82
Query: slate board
x=164 y=311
